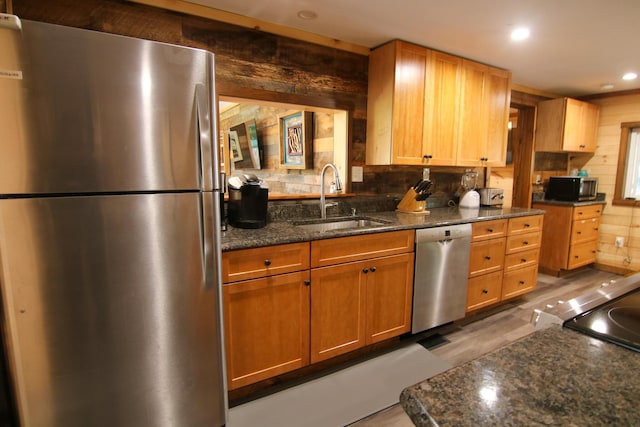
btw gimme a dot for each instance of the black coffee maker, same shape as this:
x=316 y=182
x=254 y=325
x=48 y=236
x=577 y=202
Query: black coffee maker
x=247 y=207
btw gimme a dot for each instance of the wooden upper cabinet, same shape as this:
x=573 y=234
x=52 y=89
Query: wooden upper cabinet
x=431 y=108
x=442 y=80
x=484 y=115
x=395 y=104
x=566 y=124
x=497 y=103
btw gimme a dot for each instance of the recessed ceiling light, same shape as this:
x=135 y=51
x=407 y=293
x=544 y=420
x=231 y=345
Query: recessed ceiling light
x=520 y=33
x=307 y=14
x=606 y=86
x=630 y=76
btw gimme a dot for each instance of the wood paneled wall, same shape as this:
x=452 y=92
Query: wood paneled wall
x=617 y=220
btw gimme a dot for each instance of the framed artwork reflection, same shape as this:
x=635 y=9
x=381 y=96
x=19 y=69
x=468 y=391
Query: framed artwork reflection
x=296 y=134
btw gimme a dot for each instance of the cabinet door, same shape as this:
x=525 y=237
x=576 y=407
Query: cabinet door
x=389 y=291
x=573 y=127
x=440 y=106
x=519 y=282
x=338 y=304
x=585 y=230
x=408 y=104
x=497 y=101
x=266 y=325
x=486 y=256
x=581 y=126
x=582 y=254
x=472 y=118
x=484 y=290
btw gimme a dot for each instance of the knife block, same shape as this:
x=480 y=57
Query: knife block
x=409 y=204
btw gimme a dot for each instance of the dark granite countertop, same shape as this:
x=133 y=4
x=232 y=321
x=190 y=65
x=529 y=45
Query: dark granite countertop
x=562 y=203
x=553 y=377
x=280 y=232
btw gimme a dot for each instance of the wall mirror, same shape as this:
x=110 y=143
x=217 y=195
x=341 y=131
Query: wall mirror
x=285 y=145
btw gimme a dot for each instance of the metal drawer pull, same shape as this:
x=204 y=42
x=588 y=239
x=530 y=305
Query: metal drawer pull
x=490 y=230
x=267 y=262
x=579 y=232
x=365 y=270
x=527 y=225
x=487 y=257
x=373 y=269
x=523 y=260
x=307 y=282
x=484 y=291
x=526 y=242
x=521 y=282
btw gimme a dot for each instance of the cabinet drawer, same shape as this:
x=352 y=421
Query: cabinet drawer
x=522 y=242
x=484 y=230
x=525 y=224
x=582 y=254
x=484 y=290
x=486 y=257
x=356 y=248
x=253 y=263
x=585 y=230
x=584 y=212
x=522 y=259
x=519 y=282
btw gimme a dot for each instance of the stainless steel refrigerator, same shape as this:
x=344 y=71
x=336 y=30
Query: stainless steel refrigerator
x=109 y=229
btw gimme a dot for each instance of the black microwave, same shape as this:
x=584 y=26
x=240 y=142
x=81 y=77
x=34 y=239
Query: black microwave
x=572 y=188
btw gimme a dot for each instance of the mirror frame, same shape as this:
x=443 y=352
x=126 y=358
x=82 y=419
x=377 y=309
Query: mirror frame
x=259 y=95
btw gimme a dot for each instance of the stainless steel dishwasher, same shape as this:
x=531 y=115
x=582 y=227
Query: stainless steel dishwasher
x=441 y=269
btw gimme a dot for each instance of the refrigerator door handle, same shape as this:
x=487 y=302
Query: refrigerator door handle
x=203 y=114
x=208 y=244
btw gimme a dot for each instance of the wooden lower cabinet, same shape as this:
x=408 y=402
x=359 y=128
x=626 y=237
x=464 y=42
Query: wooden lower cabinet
x=504 y=260
x=266 y=324
x=290 y=305
x=570 y=236
x=484 y=290
x=518 y=282
x=359 y=303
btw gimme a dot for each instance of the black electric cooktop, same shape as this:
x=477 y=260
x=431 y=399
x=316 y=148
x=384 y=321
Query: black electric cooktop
x=617 y=321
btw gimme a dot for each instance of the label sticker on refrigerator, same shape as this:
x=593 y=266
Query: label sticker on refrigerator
x=11 y=74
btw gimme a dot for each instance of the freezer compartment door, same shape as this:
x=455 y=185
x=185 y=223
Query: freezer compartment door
x=87 y=112
x=109 y=318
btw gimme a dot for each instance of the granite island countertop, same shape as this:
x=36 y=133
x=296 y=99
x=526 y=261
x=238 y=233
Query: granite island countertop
x=281 y=232
x=553 y=377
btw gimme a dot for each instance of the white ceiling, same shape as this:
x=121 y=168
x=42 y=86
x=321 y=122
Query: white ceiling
x=575 y=45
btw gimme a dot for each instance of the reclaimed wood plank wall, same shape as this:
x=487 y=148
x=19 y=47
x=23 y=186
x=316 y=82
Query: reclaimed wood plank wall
x=249 y=64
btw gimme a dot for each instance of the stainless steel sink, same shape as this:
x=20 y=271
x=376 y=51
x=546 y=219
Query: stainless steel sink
x=342 y=223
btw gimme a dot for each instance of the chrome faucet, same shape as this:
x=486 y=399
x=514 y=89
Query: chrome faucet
x=338 y=184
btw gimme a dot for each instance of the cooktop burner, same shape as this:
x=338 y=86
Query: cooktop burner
x=617 y=321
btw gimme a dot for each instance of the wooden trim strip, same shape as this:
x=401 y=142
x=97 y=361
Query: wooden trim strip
x=532 y=91
x=256 y=24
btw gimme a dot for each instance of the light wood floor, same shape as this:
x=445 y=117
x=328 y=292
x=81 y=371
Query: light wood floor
x=488 y=331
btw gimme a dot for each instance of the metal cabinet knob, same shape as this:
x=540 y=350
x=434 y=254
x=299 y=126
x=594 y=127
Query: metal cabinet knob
x=484 y=291
x=373 y=269
x=487 y=257
x=365 y=270
x=307 y=282
x=267 y=262
x=523 y=260
x=521 y=282
x=490 y=230
x=526 y=242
